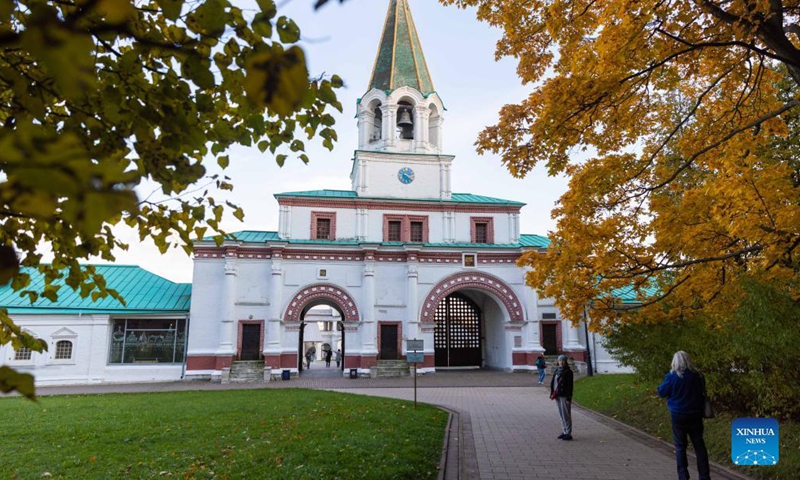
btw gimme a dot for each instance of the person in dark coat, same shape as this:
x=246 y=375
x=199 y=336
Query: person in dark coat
x=561 y=392
x=541 y=365
x=684 y=389
x=328 y=355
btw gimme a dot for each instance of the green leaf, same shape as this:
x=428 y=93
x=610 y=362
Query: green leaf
x=223 y=161
x=22 y=383
x=288 y=31
x=170 y=8
x=198 y=70
x=9 y=264
x=280 y=159
x=209 y=18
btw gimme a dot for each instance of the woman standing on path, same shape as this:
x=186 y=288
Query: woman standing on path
x=684 y=389
x=561 y=392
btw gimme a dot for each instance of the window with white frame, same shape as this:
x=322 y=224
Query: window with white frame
x=23 y=354
x=63 y=350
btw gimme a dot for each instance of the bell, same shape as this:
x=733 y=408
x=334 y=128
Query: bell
x=405 y=119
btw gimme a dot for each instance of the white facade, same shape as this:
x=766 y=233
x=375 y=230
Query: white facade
x=87 y=362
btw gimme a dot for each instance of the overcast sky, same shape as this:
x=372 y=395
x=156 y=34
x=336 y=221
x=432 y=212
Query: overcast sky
x=343 y=39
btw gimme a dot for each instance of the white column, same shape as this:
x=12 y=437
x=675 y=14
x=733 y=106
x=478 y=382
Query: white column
x=412 y=314
x=226 y=335
x=362 y=177
x=363 y=231
x=368 y=327
x=273 y=343
x=420 y=130
x=572 y=336
x=288 y=228
x=365 y=126
x=389 y=124
x=448 y=192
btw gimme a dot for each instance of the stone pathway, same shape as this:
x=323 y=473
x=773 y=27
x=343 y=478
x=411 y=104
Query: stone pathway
x=514 y=432
x=510 y=426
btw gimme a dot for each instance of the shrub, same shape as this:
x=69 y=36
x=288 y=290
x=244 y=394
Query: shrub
x=751 y=360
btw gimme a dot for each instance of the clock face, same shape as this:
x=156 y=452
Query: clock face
x=405 y=175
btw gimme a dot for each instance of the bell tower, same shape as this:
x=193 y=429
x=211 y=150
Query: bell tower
x=400 y=119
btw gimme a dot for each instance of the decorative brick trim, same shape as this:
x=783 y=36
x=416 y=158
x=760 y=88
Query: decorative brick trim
x=242 y=323
x=321 y=291
x=398 y=206
x=399 y=337
x=489 y=221
x=479 y=281
x=323 y=215
x=359 y=256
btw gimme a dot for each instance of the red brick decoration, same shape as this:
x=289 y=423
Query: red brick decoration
x=356 y=256
x=321 y=292
x=239 y=335
x=423 y=206
x=330 y=216
x=479 y=281
x=489 y=221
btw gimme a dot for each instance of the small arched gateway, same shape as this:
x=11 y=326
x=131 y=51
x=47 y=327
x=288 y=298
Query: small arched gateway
x=473 y=316
x=313 y=296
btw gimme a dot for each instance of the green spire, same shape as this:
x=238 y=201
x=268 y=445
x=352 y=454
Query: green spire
x=400 y=61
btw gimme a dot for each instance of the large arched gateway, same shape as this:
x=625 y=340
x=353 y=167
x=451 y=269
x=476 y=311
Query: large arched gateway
x=313 y=296
x=471 y=313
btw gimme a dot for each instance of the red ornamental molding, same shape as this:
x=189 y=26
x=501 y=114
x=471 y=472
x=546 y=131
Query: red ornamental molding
x=320 y=293
x=478 y=281
x=357 y=256
x=398 y=205
x=489 y=221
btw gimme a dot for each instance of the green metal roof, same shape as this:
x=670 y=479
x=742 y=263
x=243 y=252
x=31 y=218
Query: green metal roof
x=349 y=194
x=144 y=293
x=538 y=241
x=400 y=61
x=250 y=236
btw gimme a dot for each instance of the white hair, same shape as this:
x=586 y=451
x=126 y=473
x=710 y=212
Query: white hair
x=681 y=363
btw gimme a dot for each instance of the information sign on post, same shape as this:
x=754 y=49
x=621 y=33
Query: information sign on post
x=415 y=355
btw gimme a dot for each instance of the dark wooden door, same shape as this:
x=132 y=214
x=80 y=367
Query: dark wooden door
x=389 y=342
x=251 y=342
x=457 y=336
x=550 y=339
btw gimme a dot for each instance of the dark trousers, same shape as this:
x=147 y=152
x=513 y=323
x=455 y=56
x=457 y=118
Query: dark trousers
x=692 y=427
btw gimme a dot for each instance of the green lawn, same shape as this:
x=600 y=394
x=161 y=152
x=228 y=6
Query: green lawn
x=624 y=398
x=253 y=434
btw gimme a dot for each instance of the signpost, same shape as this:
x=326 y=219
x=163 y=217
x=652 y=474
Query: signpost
x=415 y=355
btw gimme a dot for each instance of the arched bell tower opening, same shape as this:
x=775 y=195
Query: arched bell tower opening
x=405 y=120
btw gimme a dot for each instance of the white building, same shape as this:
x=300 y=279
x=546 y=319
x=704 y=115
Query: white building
x=399 y=256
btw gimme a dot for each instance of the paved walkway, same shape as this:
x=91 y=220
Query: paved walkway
x=511 y=426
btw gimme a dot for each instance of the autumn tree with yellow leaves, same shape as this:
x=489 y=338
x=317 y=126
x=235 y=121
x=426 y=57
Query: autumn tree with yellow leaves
x=676 y=124
x=98 y=96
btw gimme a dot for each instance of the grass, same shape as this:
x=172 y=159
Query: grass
x=267 y=434
x=626 y=399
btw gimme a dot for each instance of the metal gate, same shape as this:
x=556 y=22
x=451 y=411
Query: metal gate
x=457 y=337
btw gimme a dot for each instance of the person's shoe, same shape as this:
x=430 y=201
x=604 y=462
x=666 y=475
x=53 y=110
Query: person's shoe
x=561 y=437
x=565 y=437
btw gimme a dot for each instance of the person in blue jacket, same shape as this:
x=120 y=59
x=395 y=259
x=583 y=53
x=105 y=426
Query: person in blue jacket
x=684 y=388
